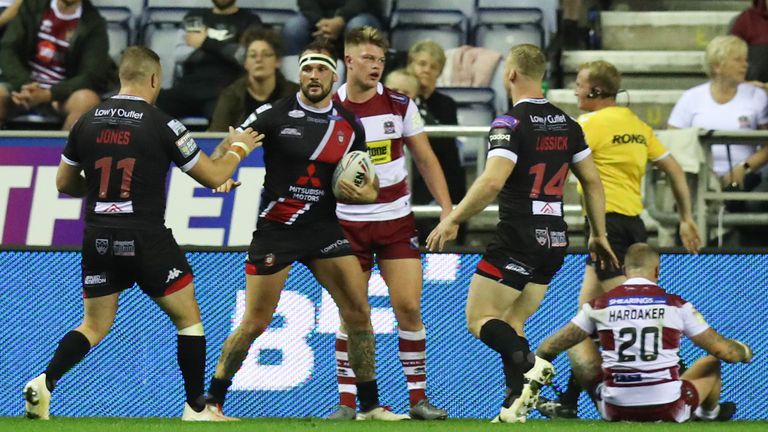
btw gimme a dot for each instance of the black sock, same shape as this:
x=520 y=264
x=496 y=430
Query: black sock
x=190 y=353
x=514 y=351
x=368 y=395
x=72 y=348
x=571 y=395
x=217 y=392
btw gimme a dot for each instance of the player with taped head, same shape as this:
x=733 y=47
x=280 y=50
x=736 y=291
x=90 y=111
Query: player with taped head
x=124 y=146
x=307 y=134
x=386 y=230
x=636 y=375
x=622 y=146
x=530 y=151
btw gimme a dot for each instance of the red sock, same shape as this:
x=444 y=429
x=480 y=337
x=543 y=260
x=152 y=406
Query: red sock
x=345 y=376
x=413 y=357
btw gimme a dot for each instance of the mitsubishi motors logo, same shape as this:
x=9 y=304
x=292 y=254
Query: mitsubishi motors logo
x=310 y=177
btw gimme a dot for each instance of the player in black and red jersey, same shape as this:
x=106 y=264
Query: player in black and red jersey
x=307 y=134
x=530 y=152
x=125 y=146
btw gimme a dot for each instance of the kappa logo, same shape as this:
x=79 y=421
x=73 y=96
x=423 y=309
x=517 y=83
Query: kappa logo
x=269 y=260
x=102 y=245
x=415 y=242
x=542 y=236
x=389 y=127
x=173 y=274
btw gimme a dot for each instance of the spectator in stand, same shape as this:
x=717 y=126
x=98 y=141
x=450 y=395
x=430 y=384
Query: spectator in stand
x=727 y=102
x=426 y=60
x=752 y=26
x=328 y=19
x=54 y=57
x=207 y=55
x=263 y=82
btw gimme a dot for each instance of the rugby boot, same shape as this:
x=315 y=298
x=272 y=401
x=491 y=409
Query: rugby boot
x=424 y=410
x=381 y=413
x=343 y=412
x=37 y=399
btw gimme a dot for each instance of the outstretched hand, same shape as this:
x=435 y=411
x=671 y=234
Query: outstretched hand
x=445 y=231
x=601 y=253
x=689 y=234
x=227 y=186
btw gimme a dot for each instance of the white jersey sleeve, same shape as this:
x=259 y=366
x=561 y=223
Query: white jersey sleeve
x=693 y=322
x=583 y=321
x=413 y=124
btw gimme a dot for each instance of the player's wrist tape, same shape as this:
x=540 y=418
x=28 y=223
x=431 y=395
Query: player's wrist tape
x=240 y=149
x=747 y=350
x=234 y=153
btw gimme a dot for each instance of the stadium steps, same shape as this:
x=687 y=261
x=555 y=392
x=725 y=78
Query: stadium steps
x=652 y=106
x=681 y=5
x=670 y=30
x=643 y=69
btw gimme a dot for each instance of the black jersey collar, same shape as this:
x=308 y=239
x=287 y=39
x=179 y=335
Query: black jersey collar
x=128 y=97
x=539 y=101
x=313 y=109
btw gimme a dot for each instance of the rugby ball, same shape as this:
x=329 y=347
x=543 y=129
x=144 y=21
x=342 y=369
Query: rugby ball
x=354 y=167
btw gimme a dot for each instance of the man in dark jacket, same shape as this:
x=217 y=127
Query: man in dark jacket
x=328 y=19
x=207 y=54
x=54 y=54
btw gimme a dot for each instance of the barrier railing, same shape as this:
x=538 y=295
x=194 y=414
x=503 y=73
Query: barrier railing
x=705 y=217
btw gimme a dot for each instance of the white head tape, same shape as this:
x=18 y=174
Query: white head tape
x=317 y=58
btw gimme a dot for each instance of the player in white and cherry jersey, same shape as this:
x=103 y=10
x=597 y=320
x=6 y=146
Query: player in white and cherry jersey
x=387 y=227
x=640 y=326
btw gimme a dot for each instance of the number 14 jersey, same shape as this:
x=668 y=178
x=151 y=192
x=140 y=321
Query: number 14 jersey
x=543 y=142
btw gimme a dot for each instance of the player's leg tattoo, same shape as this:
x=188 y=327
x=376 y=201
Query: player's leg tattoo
x=233 y=353
x=362 y=354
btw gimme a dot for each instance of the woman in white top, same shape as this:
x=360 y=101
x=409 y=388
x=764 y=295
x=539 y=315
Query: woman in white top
x=726 y=102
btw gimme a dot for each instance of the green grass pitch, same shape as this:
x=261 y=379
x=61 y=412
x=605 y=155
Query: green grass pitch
x=104 y=424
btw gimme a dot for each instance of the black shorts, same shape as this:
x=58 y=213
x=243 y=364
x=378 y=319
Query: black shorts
x=623 y=231
x=116 y=258
x=274 y=248
x=526 y=250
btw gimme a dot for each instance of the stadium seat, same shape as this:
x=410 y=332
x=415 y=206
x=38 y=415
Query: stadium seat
x=135 y=6
x=548 y=13
x=159 y=31
x=500 y=28
x=120 y=26
x=475 y=107
x=445 y=22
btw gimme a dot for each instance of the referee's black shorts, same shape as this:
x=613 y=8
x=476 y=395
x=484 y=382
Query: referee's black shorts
x=623 y=232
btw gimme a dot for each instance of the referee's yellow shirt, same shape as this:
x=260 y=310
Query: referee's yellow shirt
x=622 y=145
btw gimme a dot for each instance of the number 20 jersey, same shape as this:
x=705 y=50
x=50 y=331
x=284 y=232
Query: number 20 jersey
x=125 y=146
x=543 y=142
x=640 y=326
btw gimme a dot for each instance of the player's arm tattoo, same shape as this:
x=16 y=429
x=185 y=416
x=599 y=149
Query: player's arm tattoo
x=362 y=354
x=727 y=350
x=565 y=338
x=233 y=354
x=221 y=148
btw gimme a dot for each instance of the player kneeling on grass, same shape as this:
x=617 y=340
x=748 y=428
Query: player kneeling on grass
x=640 y=327
x=125 y=146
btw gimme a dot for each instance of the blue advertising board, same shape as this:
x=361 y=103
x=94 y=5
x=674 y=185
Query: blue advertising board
x=290 y=369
